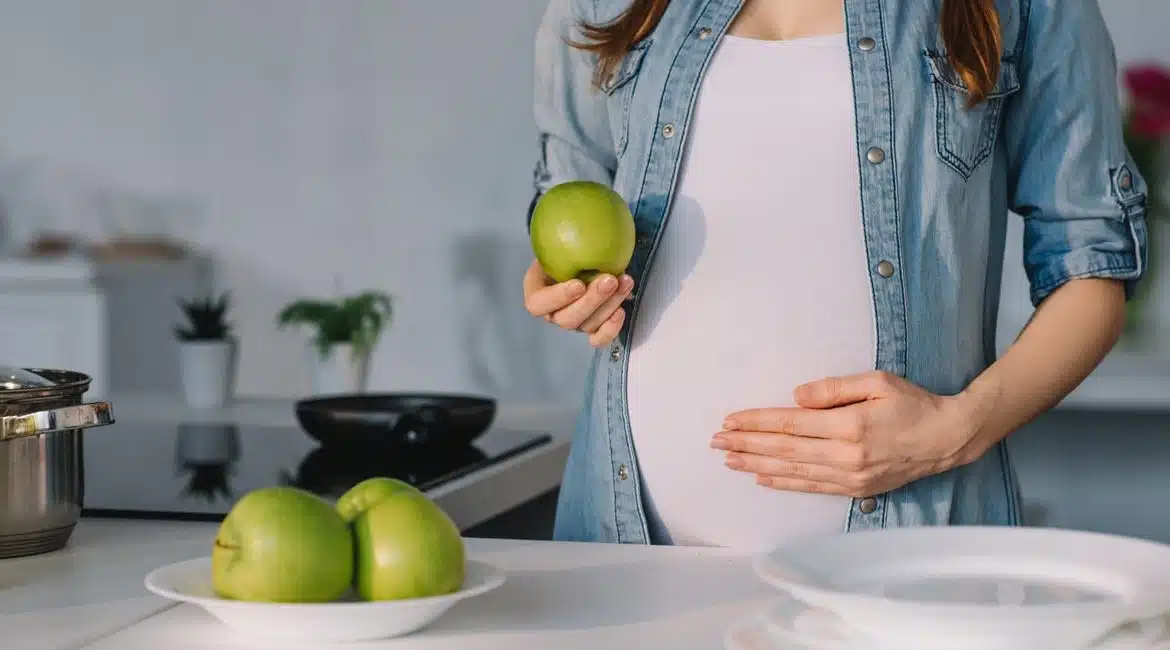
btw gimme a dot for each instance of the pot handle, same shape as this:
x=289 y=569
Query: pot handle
x=78 y=416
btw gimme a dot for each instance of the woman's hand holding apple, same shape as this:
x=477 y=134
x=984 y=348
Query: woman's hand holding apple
x=583 y=236
x=594 y=308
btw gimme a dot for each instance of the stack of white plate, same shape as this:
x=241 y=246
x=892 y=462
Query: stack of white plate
x=963 y=588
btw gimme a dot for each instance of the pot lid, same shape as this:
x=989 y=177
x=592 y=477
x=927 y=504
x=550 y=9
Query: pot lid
x=20 y=378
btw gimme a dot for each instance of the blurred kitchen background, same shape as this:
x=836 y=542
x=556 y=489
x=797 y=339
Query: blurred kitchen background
x=286 y=149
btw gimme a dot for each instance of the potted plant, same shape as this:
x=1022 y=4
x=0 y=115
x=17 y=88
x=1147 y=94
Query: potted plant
x=346 y=331
x=1147 y=128
x=207 y=352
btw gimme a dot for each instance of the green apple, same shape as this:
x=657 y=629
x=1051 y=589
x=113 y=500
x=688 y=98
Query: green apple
x=407 y=547
x=366 y=494
x=282 y=545
x=581 y=229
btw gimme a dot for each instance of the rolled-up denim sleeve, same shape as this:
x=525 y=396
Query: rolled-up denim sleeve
x=571 y=116
x=1070 y=175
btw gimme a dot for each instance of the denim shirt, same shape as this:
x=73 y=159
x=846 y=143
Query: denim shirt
x=937 y=181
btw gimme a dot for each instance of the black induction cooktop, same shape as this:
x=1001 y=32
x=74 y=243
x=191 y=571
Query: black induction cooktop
x=198 y=471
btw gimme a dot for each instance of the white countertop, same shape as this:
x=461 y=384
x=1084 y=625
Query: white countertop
x=567 y=596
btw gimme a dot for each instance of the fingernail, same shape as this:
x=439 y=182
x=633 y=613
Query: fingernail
x=627 y=283
x=719 y=442
x=734 y=462
x=764 y=481
x=576 y=288
x=730 y=425
x=608 y=284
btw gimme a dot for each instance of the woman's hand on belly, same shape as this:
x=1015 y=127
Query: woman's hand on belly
x=595 y=309
x=856 y=436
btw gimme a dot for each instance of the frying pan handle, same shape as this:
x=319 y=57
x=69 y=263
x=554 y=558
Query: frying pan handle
x=416 y=425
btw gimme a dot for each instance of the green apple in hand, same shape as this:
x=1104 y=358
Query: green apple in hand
x=581 y=229
x=407 y=547
x=282 y=545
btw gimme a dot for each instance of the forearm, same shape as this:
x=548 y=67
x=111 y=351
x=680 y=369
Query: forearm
x=1067 y=337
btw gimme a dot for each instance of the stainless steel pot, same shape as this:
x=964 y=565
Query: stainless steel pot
x=42 y=477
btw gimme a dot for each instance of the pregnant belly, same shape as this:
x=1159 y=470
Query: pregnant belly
x=690 y=493
x=692 y=364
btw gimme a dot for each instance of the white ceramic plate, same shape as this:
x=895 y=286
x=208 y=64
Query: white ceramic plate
x=753 y=633
x=346 y=621
x=991 y=587
x=792 y=624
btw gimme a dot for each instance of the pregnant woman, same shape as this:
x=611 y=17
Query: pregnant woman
x=804 y=342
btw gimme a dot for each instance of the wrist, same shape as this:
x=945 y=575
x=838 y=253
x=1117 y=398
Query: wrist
x=974 y=409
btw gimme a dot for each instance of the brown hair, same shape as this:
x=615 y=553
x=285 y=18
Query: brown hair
x=970 y=32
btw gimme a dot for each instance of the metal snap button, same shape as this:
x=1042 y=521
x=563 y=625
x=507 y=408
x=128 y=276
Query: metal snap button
x=866 y=44
x=704 y=33
x=1125 y=180
x=615 y=353
x=668 y=131
x=867 y=505
x=885 y=268
x=875 y=155
x=623 y=473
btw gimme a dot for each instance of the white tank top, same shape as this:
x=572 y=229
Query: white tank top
x=760 y=284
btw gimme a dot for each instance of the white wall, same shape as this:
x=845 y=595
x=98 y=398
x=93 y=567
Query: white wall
x=366 y=143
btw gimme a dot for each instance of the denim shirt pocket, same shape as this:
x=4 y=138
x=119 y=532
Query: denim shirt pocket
x=965 y=136
x=620 y=89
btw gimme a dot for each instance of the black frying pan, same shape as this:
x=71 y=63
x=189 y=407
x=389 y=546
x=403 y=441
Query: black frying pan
x=394 y=419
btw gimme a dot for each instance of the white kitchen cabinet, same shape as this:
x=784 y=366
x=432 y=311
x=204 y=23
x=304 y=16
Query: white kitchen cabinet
x=52 y=316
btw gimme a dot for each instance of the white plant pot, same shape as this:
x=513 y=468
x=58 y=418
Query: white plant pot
x=338 y=372
x=207 y=444
x=207 y=370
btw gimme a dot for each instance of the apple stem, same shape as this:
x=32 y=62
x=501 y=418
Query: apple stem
x=219 y=544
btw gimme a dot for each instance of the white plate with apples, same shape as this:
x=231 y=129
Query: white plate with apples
x=385 y=561
x=348 y=619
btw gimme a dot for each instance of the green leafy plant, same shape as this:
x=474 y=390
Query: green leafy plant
x=206 y=319
x=357 y=320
